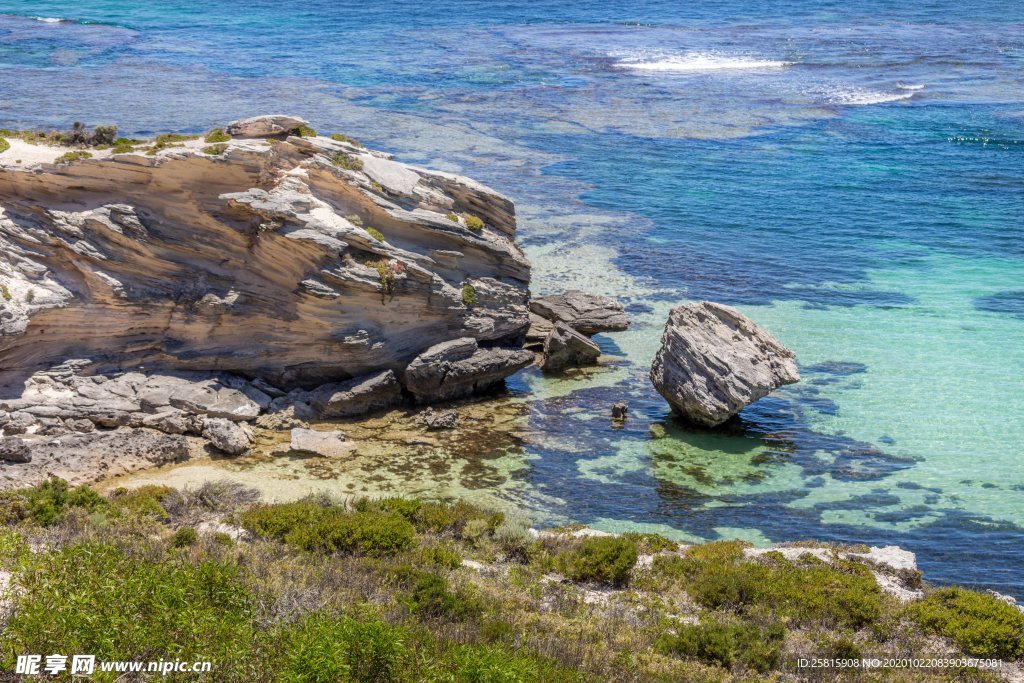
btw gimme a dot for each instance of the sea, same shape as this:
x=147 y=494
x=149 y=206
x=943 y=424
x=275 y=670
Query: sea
x=848 y=174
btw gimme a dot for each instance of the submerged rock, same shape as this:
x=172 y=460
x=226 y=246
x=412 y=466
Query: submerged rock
x=327 y=444
x=714 y=361
x=566 y=348
x=459 y=368
x=436 y=420
x=586 y=313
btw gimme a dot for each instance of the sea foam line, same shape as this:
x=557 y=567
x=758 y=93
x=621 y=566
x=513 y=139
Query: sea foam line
x=692 y=62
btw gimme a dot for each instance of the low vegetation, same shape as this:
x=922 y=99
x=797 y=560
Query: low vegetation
x=399 y=590
x=474 y=223
x=4 y=145
x=375 y=233
x=216 y=135
x=468 y=295
x=304 y=132
x=5 y=293
x=215 y=150
x=75 y=155
x=347 y=161
x=344 y=138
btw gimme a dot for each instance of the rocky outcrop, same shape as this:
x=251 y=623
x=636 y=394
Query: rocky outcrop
x=567 y=348
x=178 y=293
x=459 y=368
x=714 y=361
x=266 y=126
x=259 y=258
x=585 y=313
x=438 y=420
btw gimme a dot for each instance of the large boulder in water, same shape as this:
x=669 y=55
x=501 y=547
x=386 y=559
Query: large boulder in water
x=714 y=361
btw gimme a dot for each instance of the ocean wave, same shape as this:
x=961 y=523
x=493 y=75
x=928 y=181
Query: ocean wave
x=910 y=86
x=859 y=97
x=54 y=20
x=694 y=62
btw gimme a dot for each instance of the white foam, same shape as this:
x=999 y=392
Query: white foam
x=50 y=20
x=858 y=97
x=691 y=62
x=910 y=86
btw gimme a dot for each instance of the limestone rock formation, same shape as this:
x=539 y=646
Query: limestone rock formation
x=256 y=261
x=567 y=348
x=265 y=126
x=173 y=295
x=585 y=313
x=227 y=436
x=714 y=361
x=437 y=420
x=459 y=368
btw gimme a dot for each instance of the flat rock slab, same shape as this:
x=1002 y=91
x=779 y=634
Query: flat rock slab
x=586 y=313
x=327 y=444
x=714 y=361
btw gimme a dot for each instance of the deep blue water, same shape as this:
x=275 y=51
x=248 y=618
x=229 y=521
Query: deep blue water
x=851 y=177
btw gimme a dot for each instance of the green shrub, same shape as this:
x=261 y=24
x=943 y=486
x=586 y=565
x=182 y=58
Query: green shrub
x=4 y=145
x=468 y=295
x=605 y=559
x=438 y=555
x=386 y=277
x=315 y=528
x=981 y=624
x=46 y=503
x=172 y=138
x=474 y=223
x=514 y=536
x=375 y=234
x=347 y=161
x=649 y=544
x=95 y=598
x=404 y=506
x=727 y=644
x=75 y=155
x=217 y=135
x=13 y=549
x=344 y=138
x=5 y=293
x=493 y=664
x=215 y=150
x=184 y=537
x=145 y=501
x=451 y=518
x=432 y=597
x=325 y=648
x=304 y=132
x=103 y=135
x=452 y=217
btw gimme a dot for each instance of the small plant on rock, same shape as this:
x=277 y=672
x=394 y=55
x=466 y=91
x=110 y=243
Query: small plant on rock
x=468 y=295
x=375 y=233
x=69 y=157
x=217 y=135
x=474 y=223
x=452 y=217
x=4 y=145
x=215 y=150
x=347 y=161
x=304 y=132
x=5 y=293
x=344 y=138
x=103 y=135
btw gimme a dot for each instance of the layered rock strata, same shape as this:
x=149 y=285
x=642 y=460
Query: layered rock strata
x=272 y=276
x=714 y=361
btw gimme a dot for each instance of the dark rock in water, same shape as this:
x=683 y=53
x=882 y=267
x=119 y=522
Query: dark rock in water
x=586 y=313
x=436 y=420
x=14 y=449
x=227 y=436
x=459 y=368
x=714 y=361
x=357 y=396
x=620 y=411
x=567 y=348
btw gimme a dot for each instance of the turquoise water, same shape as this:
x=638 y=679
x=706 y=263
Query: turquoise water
x=853 y=179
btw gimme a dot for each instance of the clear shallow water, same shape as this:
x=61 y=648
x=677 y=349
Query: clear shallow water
x=852 y=179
